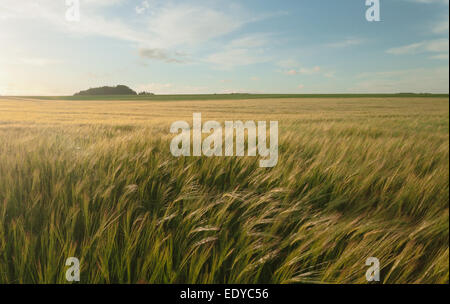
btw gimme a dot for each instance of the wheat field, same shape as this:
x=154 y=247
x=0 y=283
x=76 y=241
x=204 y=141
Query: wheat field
x=93 y=179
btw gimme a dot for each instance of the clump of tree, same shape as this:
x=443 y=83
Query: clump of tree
x=146 y=93
x=117 y=90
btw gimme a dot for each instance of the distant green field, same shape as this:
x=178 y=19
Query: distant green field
x=231 y=96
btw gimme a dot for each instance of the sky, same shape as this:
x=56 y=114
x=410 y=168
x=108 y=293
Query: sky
x=251 y=46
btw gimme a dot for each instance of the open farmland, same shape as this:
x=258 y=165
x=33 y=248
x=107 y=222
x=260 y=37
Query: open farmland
x=93 y=179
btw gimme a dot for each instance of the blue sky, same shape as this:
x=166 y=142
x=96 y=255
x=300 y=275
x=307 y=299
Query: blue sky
x=193 y=46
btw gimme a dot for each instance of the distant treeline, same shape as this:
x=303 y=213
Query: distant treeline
x=117 y=90
x=108 y=91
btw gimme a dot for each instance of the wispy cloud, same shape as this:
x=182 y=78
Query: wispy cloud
x=162 y=55
x=245 y=50
x=184 y=24
x=170 y=25
x=251 y=41
x=292 y=67
x=205 y=41
x=304 y=71
x=429 y=46
x=346 y=43
x=233 y=57
x=440 y=56
x=441 y=27
x=140 y=9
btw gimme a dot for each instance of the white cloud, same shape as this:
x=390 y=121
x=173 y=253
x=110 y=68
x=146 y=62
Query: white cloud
x=251 y=41
x=293 y=67
x=140 y=9
x=346 y=43
x=441 y=27
x=176 y=25
x=309 y=71
x=304 y=71
x=288 y=64
x=171 y=25
x=429 y=46
x=52 y=14
x=160 y=35
x=440 y=56
x=231 y=57
x=245 y=50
